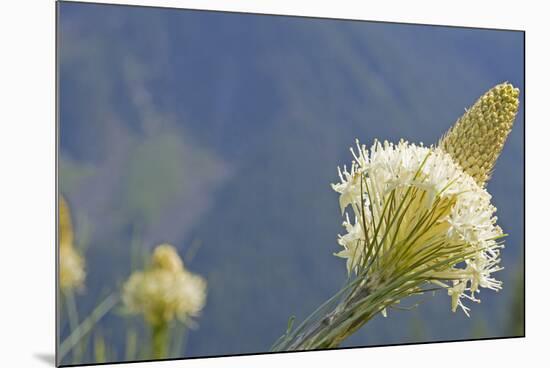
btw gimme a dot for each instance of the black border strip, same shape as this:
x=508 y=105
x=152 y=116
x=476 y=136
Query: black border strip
x=57 y=142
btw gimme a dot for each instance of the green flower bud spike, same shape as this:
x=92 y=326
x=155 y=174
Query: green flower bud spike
x=475 y=141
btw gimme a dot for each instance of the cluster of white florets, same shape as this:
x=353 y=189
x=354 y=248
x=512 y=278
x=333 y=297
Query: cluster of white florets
x=165 y=291
x=416 y=212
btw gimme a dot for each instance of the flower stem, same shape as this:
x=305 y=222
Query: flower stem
x=72 y=311
x=78 y=333
x=160 y=339
x=179 y=340
x=328 y=327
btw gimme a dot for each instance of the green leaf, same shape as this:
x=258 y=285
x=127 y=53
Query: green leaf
x=290 y=324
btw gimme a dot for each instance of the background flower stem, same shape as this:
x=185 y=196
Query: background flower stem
x=72 y=312
x=160 y=339
x=87 y=325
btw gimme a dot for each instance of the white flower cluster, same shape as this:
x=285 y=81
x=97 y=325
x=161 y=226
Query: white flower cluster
x=165 y=291
x=419 y=217
x=71 y=269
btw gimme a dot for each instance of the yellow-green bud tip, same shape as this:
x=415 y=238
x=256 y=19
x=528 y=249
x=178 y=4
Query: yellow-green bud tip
x=166 y=257
x=476 y=140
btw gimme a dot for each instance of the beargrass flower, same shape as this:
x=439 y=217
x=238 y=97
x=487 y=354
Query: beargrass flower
x=165 y=291
x=71 y=263
x=416 y=219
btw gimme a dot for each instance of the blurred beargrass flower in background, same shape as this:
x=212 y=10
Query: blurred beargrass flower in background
x=71 y=263
x=421 y=220
x=164 y=292
x=71 y=271
x=71 y=277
